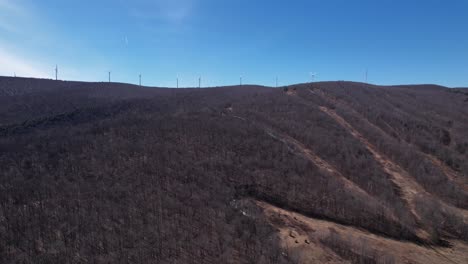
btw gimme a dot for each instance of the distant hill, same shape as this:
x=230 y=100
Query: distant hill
x=328 y=172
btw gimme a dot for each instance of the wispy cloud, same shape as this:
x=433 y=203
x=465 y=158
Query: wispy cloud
x=10 y=6
x=12 y=64
x=8 y=11
x=168 y=11
x=13 y=17
x=21 y=21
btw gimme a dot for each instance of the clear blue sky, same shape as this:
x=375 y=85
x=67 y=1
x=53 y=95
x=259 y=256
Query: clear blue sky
x=398 y=41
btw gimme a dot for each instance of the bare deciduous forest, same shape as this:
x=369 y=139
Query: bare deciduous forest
x=329 y=172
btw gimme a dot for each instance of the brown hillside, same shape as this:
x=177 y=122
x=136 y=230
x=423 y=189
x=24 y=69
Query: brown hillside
x=332 y=172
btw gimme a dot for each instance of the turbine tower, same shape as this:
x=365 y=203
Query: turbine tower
x=312 y=76
x=56 y=72
x=276 y=81
x=240 y=81
x=367 y=73
x=109 y=77
x=140 y=78
x=177 y=82
x=199 y=82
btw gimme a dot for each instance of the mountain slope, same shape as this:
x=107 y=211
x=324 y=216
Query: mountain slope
x=335 y=172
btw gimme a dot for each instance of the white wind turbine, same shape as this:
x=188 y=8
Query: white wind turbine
x=313 y=75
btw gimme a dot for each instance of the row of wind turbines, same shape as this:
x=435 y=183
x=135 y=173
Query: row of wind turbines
x=312 y=75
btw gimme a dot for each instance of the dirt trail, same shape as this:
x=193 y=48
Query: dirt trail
x=314 y=158
x=296 y=146
x=409 y=187
x=449 y=172
x=309 y=240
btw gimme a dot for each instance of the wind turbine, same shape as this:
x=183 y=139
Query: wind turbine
x=240 y=81
x=56 y=72
x=367 y=73
x=313 y=75
x=276 y=81
x=199 y=82
x=140 y=78
x=177 y=82
x=109 y=76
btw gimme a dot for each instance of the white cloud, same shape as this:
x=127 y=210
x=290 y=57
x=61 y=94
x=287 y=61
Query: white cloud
x=13 y=18
x=11 y=63
x=23 y=65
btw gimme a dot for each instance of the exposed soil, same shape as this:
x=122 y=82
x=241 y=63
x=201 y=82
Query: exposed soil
x=309 y=240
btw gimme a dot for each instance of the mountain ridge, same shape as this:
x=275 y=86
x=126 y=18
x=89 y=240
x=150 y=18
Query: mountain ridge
x=330 y=172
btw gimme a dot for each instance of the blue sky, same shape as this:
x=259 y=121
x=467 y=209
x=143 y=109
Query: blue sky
x=399 y=42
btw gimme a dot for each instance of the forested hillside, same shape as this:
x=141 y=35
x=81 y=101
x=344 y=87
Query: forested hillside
x=330 y=172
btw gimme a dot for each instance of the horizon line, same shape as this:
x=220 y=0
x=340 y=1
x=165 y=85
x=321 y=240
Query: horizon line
x=232 y=85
